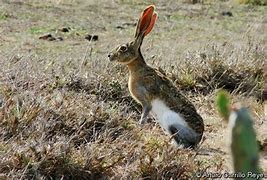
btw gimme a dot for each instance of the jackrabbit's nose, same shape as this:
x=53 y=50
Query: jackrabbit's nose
x=110 y=55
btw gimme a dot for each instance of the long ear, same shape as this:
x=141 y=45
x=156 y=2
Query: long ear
x=152 y=23
x=146 y=21
x=145 y=24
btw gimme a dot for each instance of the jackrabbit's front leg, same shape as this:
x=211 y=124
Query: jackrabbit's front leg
x=146 y=107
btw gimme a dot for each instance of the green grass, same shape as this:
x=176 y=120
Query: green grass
x=39 y=30
x=3 y=16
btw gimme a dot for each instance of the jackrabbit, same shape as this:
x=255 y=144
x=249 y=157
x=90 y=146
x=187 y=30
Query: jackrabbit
x=155 y=92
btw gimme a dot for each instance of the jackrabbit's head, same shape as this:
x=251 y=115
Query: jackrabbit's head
x=126 y=53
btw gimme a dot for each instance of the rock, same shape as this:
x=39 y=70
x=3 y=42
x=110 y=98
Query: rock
x=65 y=29
x=60 y=38
x=227 y=13
x=90 y=37
x=47 y=37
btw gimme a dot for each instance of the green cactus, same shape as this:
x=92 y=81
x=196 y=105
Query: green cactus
x=244 y=147
x=223 y=104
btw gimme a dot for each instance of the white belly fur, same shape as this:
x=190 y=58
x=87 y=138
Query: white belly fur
x=165 y=116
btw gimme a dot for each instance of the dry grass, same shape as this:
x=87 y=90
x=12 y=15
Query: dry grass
x=66 y=113
x=253 y=2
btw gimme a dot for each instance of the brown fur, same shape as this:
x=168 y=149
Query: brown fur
x=146 y=83
x=159 y=86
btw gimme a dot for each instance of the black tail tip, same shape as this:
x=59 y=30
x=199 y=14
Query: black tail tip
x=184 y=136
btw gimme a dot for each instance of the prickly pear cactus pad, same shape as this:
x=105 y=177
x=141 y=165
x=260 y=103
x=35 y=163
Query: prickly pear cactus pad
x=244 y=146
x=223 y=104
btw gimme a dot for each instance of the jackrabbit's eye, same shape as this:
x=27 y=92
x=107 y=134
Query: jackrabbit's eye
x=123 y=48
